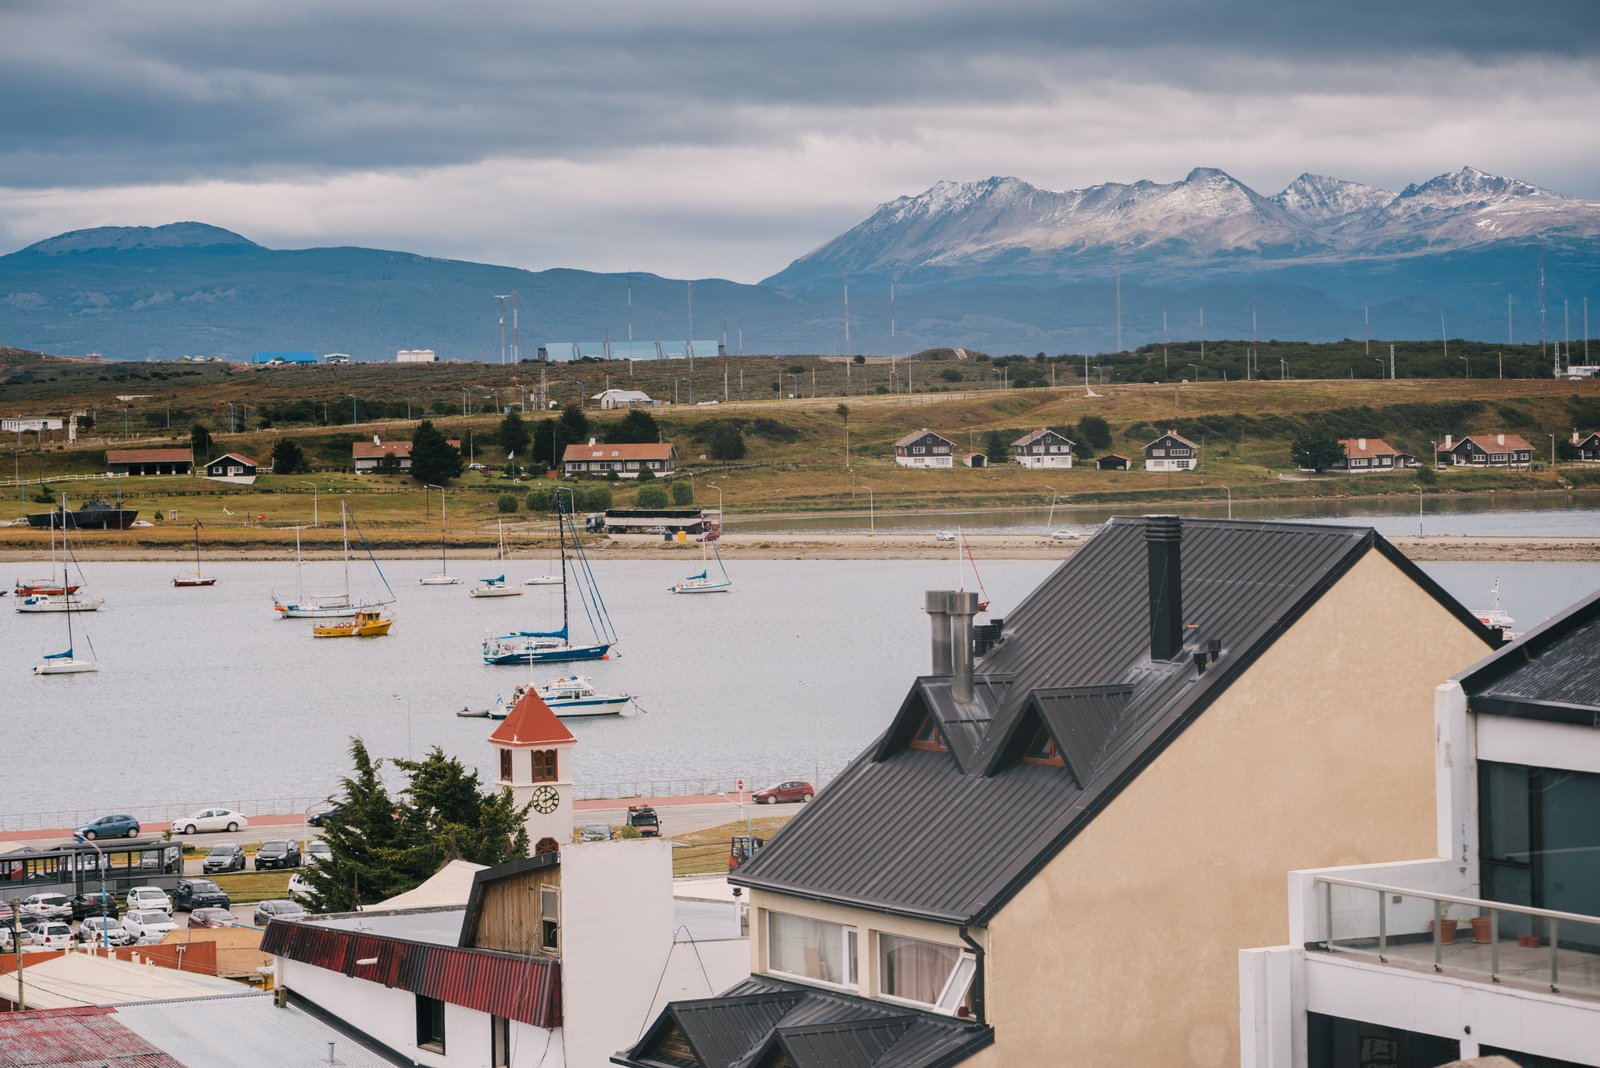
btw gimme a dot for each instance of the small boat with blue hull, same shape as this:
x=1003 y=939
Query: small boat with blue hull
x=555 y=646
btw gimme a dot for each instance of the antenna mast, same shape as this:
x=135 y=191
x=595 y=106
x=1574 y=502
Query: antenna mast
x=1119 y=307
x=847 y=311
x=501 y=297
x=516 y=335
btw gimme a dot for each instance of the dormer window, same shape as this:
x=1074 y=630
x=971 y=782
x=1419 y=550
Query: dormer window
x=1042 y=749
x=928 y=736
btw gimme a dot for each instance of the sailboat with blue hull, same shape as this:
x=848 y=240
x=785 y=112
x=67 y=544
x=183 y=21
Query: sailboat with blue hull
x=553 y=646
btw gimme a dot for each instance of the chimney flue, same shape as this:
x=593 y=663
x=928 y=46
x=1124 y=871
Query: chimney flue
x=938 y=608
x=963 y=606
x=1163 y=535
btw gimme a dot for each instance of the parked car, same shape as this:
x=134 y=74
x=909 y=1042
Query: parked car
x=596 y=832
x=110 y=827
x=1062 y=535
x=223 y=858
x=5 y=913
x=278 y=909
x=945 y=535
x=793 y=790
x=100 y=930
x=278 y=853
x=95 y=903
x=212 y=917
x=317 y=851
x=145 y=923
x=477 y=467
x=299 y=887
x=210 y=819
x=52 y=934
x=48 y=906
x=149 y=897
x=643 y=819
x=5 y=938
x=199 y=894
x=328 y=815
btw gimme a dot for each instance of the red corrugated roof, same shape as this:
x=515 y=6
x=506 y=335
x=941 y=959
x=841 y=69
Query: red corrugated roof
x=1353 y=448
x=68 y=1038
x=1497 y=442
x=148 y=456
x=368 y=450
x=655 y=451
x=531 y=723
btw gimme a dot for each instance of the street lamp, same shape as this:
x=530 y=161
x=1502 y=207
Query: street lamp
x=1050 y=520
x=1419 y=511
x=353 y=418
x=1552 y=454
x=230 y=415
x=1380 y=367
x=1468 y=361
x=313 y=486
x=1229 y=491
x=1196 y=371
x=872 y=514
x=105 y=928
x=722 y=515
x=1283 y=368
x=464 y=402
x=796 y=378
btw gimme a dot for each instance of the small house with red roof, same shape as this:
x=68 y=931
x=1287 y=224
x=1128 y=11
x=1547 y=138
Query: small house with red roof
x=231 y=465
x=149 y=461
x=1487 y=450
x=1364 y=455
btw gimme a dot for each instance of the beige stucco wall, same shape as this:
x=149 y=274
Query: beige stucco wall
x=1321 y=755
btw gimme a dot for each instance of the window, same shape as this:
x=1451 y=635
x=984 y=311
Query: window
x=927 y=736
x=926 y=973
x=812 y=949
x=499 y=1042
x=1042 y=749
x=505 y=765
x=549 y=919
x=918 y=449
x=544 y=765
x=430 y=1023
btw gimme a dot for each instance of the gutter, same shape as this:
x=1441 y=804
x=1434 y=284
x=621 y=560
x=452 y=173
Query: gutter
x=977 y=977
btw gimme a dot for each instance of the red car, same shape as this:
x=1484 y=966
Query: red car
x=211 y=917
x=793 y=790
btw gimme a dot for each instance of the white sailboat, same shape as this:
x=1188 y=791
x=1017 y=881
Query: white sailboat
x=542 y=646
x=443 y=578
x=326 y=606
x=551 y=576
x=496 y=587
x=67 y=662
x=50 y=597
x=704 y=582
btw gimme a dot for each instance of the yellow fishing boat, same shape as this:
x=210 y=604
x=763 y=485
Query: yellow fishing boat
x=366 y=624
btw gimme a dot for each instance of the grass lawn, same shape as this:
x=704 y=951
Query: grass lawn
x=705 y=852
x=248 y=887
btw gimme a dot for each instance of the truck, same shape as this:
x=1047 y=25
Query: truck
x=643 y=819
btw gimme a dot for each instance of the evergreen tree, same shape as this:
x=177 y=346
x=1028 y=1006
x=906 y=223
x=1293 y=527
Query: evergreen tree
x=363 y=841
x=513 y=435
x=287 y=457
x=727 y=442
x=1316 y=449
x=997 y=446
x=199 y=440
x=433 y=459
x=576 y=422
x=1094 y=432
x=638 y=427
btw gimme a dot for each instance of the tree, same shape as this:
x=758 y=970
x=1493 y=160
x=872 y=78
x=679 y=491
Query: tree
x=638 y=427
x=287 y=457
x=362 y=841
x=506 y=504
x=388 y=464
x=651 y=496
x=1316 y=449
x=997 y=446
x=434 y=460
x=594 y=498
x=727 y=442
x=843 y=411
x=513 y=435
x=576 y=422
x=199 y=439
x=683 y=494
x=1094 y=432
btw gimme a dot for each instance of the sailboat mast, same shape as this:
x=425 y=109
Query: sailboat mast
x=197 y=548
x=442 y=567
x=561 y=535
x=299 y=584
x=70 y=649
x=344 y=521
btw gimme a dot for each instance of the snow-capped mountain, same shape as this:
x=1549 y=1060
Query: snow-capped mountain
x=1003 y=229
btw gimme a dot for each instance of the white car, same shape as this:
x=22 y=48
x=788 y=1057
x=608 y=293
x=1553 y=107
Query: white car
x=317 y=851
x=945 y=535
x=149 y=897
x=49 y=906
x=299 y=887
x=210 y=819
x=1062 y=535
x=143 y=923
x=99 y=930
x=52 y=935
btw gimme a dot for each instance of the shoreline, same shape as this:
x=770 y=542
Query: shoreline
x=820 y=546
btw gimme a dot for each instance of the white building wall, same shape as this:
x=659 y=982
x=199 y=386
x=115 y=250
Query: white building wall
x=701 y=970
x=1057 y=460
x=924 y=461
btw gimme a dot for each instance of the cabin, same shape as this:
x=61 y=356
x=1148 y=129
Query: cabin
x=627 y=461
x=1171 y=452
x=149 y=462
x=1486 y=450
x=1042 y=448
x=1588 y=448
x=1365 y=455
x=368 y=456
x=1089 y=802
x=231 y=465
x=924 y=448
x=623 y=398
x=1113 y=461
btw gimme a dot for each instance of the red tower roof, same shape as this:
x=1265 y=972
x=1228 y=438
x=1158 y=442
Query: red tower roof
x=531 y=723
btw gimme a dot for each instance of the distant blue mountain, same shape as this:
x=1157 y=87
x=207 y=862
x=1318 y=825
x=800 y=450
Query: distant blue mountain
x=999 y=266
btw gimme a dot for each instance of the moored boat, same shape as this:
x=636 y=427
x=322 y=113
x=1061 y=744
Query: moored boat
x=91 y=515
x=553 y=646
x=368 y=623
x=67 y=662
x=703 y=582
x=1495 y=616
x=496 y=587
x=64 y=602
x=575 y=695
x=187 y=580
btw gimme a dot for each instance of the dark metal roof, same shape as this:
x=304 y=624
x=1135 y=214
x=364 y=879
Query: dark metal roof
x=762 y=1021
x=951 y=836
x=1552 y=673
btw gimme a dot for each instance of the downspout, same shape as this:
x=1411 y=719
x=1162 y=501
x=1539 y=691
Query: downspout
x=978 y=1008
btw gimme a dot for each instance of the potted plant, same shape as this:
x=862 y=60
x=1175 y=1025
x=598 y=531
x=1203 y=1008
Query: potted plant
x=1445 y=925
x=1481 y=926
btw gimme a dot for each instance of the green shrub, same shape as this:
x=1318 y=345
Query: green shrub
x=506 y=504
x=651 y=497
x=647 y=475
x=683 y=493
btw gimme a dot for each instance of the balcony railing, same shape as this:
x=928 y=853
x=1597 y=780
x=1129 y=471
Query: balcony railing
x=1483 y=940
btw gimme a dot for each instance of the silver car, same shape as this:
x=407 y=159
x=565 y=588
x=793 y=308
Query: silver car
x=101 y=930
x=48 y=906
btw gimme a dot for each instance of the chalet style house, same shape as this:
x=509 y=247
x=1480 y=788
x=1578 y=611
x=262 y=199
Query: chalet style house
x=1370 y=975
x=1042 y=448
x=1486 y=450
x=231 y=465
x=1066 y=833
x=1171 y=452
x=1365 y=455
x=368 y=456
x=149 y=462
x=1588 y=448
x=598 y=461
x=924 y=448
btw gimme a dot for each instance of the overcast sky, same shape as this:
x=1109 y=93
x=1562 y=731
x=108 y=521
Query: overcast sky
x=697 y=138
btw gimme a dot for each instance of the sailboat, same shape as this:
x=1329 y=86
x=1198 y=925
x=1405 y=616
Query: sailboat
x=551 y=577
x=443 y=578
x=53 y=597
x=196 y=579
x=329 y=606
x=703 y=582
x=496 y=587
x=49 y=587
x=545 y=646
x=66 y=662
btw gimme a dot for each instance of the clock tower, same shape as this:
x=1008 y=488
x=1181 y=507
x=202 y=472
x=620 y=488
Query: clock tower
x=534 y=754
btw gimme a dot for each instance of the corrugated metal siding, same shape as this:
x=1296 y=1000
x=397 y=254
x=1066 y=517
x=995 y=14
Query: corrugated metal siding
x=69 y=1038
x=527 y=989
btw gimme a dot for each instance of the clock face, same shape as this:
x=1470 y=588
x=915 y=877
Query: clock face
x=545 y=799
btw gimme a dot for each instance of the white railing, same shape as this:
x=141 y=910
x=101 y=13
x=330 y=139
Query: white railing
x=62 y=478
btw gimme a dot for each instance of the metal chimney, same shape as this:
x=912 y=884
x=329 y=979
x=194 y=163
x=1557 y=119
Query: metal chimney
x=1163 y=535
x=938 y=608
x=962 y=607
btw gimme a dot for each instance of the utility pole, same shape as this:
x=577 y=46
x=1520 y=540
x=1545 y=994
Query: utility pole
x=1508 y=320
x=16 y=944
x=516 y=334
x=847 y=311
x=1119 y=307
x=1444 y=336
x=1391 y=362
x=894 y=381
x=1202 y=329
x=1541 y=298
x=501 y=297
x=630 y=311
x=724 y=361
x=1163 y=341
x=1366 y=326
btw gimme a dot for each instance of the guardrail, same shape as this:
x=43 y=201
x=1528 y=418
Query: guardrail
x=62 y=478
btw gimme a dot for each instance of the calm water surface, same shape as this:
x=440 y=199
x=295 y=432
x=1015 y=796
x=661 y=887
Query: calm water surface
x=205 y=696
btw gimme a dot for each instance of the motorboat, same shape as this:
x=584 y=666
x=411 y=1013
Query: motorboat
x=1496 y=617
x=368 y=623
x=575 y=695
x=62 y=602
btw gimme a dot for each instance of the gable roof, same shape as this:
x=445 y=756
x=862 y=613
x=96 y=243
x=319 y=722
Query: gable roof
x=1592 y=439
x=763 y=1022
x=1492 y=443
x=1173 y=434
x=241 y=457
x=916 y=435
x=1074 y=658
x=530 y=722
x=482 y=877
x=1034 y=435
x=75 y=1038
x=646 y=451
x=372 y=450
x=1374 y=447
x=1550 y=673
x=148 y=456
